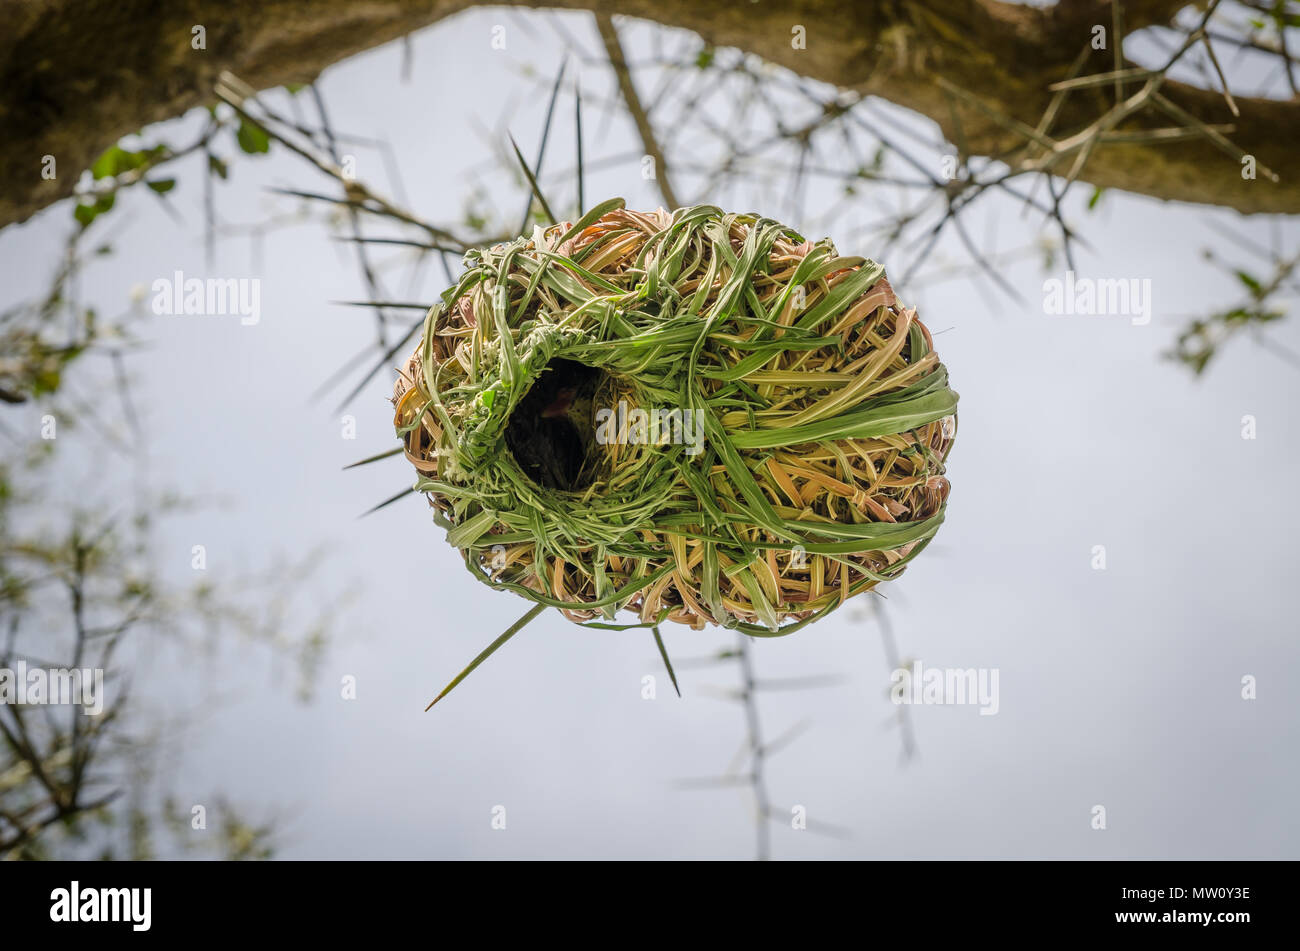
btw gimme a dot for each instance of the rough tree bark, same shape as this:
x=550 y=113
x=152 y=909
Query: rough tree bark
x=76 y=75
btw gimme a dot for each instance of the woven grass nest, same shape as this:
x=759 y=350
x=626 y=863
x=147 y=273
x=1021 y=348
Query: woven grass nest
x=790 y=450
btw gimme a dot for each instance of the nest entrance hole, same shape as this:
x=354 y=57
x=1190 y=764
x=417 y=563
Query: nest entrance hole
x=552 y=431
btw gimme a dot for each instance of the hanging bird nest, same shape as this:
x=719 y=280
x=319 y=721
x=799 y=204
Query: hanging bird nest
x=701 y=417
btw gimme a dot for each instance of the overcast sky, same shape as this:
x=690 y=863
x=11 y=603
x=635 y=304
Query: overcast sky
x=1119 y=687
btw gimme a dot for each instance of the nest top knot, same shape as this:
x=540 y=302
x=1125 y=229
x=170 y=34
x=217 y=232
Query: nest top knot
x=698 y=416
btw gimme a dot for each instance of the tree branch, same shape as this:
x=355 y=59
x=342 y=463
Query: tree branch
x=76 y=77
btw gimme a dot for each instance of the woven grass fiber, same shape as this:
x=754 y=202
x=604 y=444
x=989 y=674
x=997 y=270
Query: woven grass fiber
x=809 y=468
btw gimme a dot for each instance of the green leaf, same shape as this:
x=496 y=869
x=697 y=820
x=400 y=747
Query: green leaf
x=85 y=213
x=532 y=181
x=106 y=164
x=1096 y=197
x=488 y=651
x=389 y=501
x=163 y=185
x=294 y=88
x=217 y=167
x=1253 y=283
x=252 y=139
x=663 y=652
x=376 y=457
x=705 y=57
x=117 y=160
x=471 y=530
x=46 y=381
